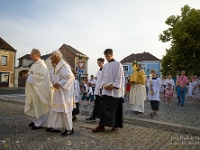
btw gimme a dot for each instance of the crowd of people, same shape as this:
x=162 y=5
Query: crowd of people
x=182 y=85
x=53 y=97
x=160 y=89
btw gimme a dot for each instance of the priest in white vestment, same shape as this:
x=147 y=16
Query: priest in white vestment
x=137 y=94
x=38 y=92
x=60 y=115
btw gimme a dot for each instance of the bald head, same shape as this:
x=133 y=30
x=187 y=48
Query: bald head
x=35 y=54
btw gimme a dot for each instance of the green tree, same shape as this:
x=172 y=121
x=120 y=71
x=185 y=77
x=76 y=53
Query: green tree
x=184 y=35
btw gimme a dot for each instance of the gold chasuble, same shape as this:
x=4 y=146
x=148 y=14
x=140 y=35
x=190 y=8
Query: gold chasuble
x=137 y=94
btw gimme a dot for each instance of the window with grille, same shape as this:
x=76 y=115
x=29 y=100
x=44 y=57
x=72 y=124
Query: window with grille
x=125 y=68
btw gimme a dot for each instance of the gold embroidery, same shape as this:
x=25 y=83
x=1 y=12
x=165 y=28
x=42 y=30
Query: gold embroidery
x=56 y=71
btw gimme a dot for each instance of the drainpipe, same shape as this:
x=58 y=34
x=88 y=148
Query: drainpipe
x=14 y=69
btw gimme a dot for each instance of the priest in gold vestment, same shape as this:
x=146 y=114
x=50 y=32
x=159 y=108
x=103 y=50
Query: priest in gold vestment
x=38 y=92
x=138 y=89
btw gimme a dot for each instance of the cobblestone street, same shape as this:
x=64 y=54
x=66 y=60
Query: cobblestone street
x=174 y=114
x=167 y=114
x=15 y=134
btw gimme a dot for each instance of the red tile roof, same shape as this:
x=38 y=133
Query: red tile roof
x=4 y=45
x=73 y=50
x=139 y=57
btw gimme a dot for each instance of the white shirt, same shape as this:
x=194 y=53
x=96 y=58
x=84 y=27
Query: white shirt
x=93 y=82
x=90 y=91
x=85 y=88
x=98 y=87
x=76 y=88
x=113 y=73
x=169 y=81
x=156 y=84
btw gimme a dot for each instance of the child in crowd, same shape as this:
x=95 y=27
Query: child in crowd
x=154 y=85
x=85 y=89
x=90 y=95
x=190 y=88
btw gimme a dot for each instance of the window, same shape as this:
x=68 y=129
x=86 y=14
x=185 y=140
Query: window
x=142 y=66
x=4 y=60
x=125 y=68
x=4 y=79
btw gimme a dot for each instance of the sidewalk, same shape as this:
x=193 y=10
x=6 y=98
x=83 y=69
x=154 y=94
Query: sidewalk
x=174 y=116
x=15 y=134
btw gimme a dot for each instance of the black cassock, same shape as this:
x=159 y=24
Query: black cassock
x=76 y=110
x=111 y=111
x=97 y=107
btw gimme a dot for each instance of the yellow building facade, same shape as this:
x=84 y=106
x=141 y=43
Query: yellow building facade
x=7 y=64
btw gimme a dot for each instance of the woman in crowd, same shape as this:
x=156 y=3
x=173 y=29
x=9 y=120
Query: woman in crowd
x=196 y=89
x=190 y=88
x=169 y=84
x=162 y=87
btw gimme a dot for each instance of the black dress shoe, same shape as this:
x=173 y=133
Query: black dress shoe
x=52 y=130
x=90 y=119
x=74 y=119
x=64 y=133
x=48 y=129
x=35 y=128
x=31 y=124
x=71 y=132
x=152 y=114
x=179 y=102
x=182 y=105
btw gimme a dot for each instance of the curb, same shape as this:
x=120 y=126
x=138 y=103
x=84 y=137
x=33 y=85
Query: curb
x=13 y=101
x=137 y=121
x=156 y=124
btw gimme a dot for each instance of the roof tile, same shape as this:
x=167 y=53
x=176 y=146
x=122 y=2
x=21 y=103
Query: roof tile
x=5 y=45
x=140 y=57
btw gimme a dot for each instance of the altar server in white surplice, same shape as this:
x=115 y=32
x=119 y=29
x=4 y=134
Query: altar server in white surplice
x=60 y=115
x=112 y=82
x=38 y=92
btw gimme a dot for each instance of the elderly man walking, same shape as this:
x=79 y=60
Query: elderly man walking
x=60 y=115
x=38 y=92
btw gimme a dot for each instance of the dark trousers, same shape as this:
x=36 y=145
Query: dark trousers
x=111 y=111
x=154 y=105
x=97 y=107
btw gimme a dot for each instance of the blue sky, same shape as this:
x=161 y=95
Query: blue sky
x=90 y=26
